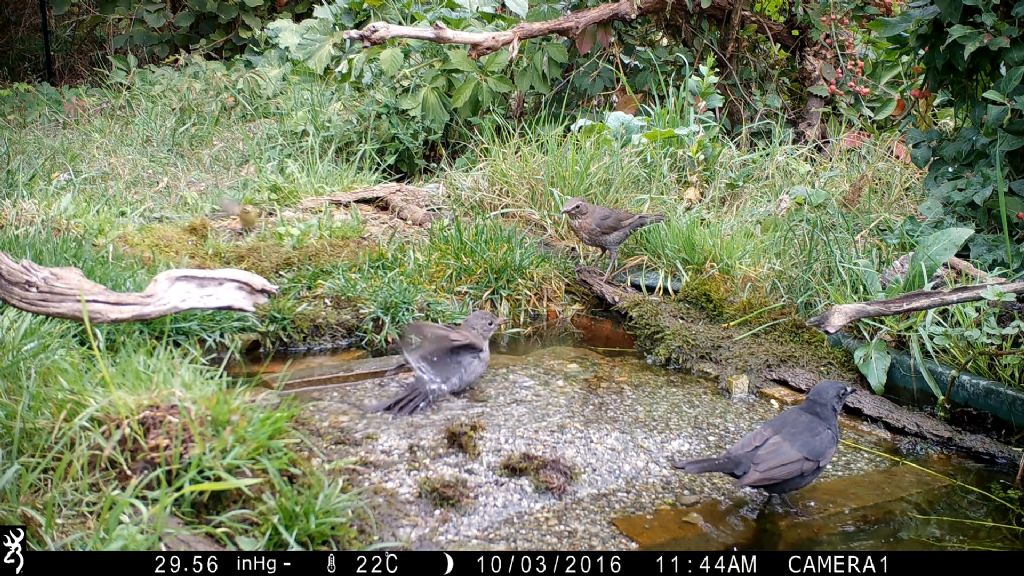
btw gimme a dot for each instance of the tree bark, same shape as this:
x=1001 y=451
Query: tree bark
x=569 y=26
x=838 y=316
x=67 y=293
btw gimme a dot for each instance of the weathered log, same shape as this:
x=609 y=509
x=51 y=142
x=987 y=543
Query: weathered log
x=66 y=292
x=903 y=420
x=388 y=195
x=593 y=279
x=838 y=316
x=569 y=25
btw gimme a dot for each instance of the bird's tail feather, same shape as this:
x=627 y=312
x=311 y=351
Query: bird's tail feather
x=648 y=219
x=411 y=400
x=699 y=466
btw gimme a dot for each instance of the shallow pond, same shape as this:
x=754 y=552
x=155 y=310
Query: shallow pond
x=590 y=404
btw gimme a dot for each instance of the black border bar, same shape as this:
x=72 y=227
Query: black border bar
x=441 y=563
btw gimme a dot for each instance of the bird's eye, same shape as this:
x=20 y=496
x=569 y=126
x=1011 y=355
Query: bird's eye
x=490 y=322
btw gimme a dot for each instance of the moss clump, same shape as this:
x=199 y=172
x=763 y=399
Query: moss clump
x=445 y=492
x=462 y=437
x=547 y=474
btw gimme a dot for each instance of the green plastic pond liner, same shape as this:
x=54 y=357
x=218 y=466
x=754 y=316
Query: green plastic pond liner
x=968 y=390
x=650 y=281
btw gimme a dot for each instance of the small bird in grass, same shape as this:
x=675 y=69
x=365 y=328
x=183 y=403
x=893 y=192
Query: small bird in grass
x=444 y=360
x=248 y=215
x=604 y=228
x=789 y=451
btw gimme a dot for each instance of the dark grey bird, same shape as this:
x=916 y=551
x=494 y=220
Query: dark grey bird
x=444 y=360
x=789 y=451
x=604 y=228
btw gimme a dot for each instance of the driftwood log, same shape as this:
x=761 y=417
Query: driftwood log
x=570 y=25
x=66 y=293
x=394 y=197
x=840 y=315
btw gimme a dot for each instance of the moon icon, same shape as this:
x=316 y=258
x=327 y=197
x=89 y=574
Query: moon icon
x=451 y=563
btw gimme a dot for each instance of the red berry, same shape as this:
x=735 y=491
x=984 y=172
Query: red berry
x=851 y=84
x=828 y=41
x=1020 y=215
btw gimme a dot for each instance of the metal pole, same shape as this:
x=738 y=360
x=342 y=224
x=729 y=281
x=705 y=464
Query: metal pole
x=43 y=16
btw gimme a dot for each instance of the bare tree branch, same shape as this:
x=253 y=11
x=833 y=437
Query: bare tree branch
x=62 y=292
x=838 y=316
x=569 y=25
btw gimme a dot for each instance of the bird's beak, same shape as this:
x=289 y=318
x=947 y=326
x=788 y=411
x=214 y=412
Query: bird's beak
x=850 y=390
x=502 y=321
x=565 y=210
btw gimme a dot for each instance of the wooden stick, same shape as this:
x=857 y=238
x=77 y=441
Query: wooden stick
x=61 y=292
x=838 y=316
x=569 y=25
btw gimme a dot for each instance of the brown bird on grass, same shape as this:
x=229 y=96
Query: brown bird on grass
x=604 y=228
x=445 y=360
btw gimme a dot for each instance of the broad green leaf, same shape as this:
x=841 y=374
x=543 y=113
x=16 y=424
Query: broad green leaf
x=253 y=3
x=155 y=19
x=819 y=90
x=459 y=60
x=886 y=27
x=252 y=20
x=496 y=62
x=950 y=9
x=391 y=60
x=1009 y=142
x=1013 y=77
x=464 y=91
x=995 y=96
x=432 y=110
x=500 y=84
x=932 y=252
x=873 y=359
x=557 y=52
x=184 y=19
x=518 y=7
x=227 y=11
x=221 y=485
x=805 y=195
x=885 y=109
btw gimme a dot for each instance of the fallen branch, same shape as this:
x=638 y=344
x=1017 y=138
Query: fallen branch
x=63 y=292
x=389 y=195
x=593 y=279
x=569 y=26
x=838 y=316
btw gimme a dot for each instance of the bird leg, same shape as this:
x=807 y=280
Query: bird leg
x=612 y=256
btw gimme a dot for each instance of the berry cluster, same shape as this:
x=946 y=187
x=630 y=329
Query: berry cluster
x=854 y=65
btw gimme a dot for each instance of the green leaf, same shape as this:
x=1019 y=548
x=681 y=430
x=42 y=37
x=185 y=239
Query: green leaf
x=464 y=91
x=391 y=60
x=1013 y=77
x=154 y=19
x=557 y=52
x=434 y=113
x=995 y=96
x=500 y=84
x=873 y=359
x=221 y=485
x=935 y=250
x=226 y=11
x=253 y=3
x=1009 y=142
x=184 y=19
x=459 y=60
x=496 y=62
x=886 y=27
x=885 y=109
x=252 y=20
x=819 y=90
x=950 y=9
x=518 y=7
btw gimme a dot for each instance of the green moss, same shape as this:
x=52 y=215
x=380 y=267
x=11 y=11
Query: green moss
x=448 y=492
x=547 y=474
x=462 y=437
